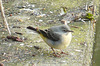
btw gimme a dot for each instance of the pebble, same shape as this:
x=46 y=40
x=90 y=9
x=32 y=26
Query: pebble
x=22 y=44
x=36 y=47
x=78 y=50
x=42 y=15
x=3 y=53
x=51 y=12
x=40 y=20
x=29 y=46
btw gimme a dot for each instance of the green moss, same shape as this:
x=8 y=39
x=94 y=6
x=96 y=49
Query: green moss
x=89 y=16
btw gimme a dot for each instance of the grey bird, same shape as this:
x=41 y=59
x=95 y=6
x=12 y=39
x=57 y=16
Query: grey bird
x=58 y=37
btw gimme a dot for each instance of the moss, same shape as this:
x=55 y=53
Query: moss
x=89 y=16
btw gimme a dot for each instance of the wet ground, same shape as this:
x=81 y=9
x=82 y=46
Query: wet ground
x=33 y=51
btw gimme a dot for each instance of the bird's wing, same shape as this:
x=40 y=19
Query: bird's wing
x=52 y=35
x=48 y=33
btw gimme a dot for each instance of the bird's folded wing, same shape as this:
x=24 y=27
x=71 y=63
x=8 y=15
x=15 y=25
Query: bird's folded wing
x=49 y=33
x=52 y=35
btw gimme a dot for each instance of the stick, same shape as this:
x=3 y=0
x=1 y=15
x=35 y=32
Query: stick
x=3 y=16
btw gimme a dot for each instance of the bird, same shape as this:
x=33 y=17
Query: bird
x=57 y=37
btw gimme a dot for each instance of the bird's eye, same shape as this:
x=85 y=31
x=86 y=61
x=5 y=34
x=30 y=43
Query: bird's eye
x=65 y=30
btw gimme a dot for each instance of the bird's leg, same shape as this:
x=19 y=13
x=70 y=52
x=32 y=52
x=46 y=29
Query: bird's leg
x=55 y=53
x=53 y=50
x=63 y=52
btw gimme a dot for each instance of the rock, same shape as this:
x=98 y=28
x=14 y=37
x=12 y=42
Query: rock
x=37 y=47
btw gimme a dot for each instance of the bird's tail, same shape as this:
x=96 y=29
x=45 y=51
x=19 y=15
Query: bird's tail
x=39 y=31
x=34 y=29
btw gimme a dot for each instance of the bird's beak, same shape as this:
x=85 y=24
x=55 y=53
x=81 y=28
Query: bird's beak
x=70 y=31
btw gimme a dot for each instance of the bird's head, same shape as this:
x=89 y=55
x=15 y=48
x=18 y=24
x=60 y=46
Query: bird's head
x=66 y=28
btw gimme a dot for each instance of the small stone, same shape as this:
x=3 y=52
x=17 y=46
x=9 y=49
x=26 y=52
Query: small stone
x=51 y=12
x=36 y=47
x=40 y=20
x=78 y=50
x=33 y=55
x=22 y=44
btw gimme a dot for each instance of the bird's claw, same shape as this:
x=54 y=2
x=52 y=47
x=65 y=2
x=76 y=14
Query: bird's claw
x=64 y=53
x=56 y=55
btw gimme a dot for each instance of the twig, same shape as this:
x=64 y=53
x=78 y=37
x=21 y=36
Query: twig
x=3 y=16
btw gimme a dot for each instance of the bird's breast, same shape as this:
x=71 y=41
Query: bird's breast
x=66 y=39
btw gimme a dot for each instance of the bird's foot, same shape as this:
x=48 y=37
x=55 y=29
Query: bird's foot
x=64 y=53
x=56 y=55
